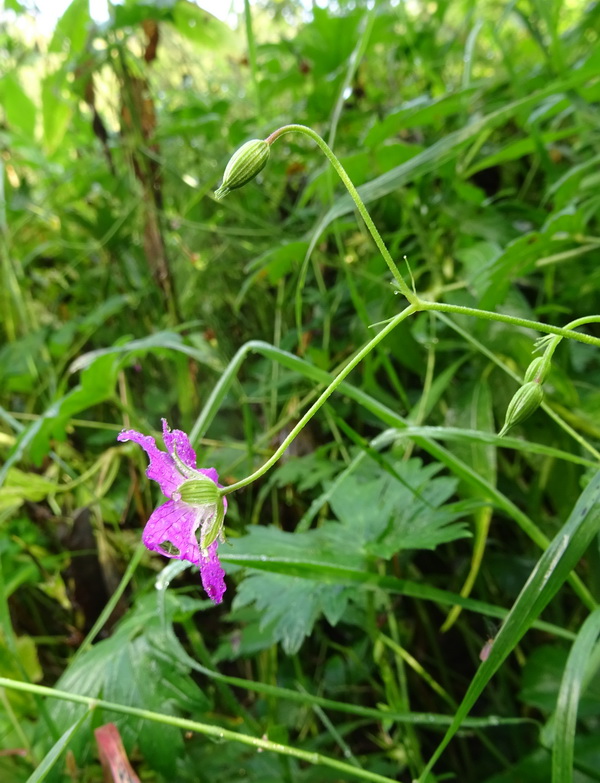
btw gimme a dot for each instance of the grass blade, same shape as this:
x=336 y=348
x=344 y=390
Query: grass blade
x=576 y=675
x=551 y=571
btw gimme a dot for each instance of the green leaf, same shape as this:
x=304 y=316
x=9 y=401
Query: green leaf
x=387 y=513
x=291 y=605
x=21 y=486
x=379 y=513
x=57 y=110
x=131 y=668
x=71 y=31
x=201 y=27
x=20 y=110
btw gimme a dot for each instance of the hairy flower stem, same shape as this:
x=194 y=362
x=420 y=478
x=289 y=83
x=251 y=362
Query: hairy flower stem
x=413 y=298
x=331 y=157
x=416 y=304
x=323 y=397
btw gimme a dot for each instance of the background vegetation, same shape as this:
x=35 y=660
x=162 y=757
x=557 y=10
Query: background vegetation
x=126 y=292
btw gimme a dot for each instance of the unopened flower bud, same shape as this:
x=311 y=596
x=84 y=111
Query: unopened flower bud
x=245 y=164
x=526 y=400
x=537 y=370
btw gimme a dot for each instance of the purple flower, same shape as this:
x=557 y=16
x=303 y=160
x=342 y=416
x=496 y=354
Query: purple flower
x=194 y=507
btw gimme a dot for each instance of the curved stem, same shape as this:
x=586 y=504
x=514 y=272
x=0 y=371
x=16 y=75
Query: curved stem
x=419 y=303
x=410 y=295
x=366 y=349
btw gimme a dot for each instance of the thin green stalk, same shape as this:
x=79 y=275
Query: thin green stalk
x=207 y=729
x=341 y=172
x=565 y=331
x=365 y=350
x=112 y=602
x=252 y=54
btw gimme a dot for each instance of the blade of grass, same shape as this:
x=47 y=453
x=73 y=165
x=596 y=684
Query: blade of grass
x=333 y=573
x=551 y=571
x=575 y=676
x=57 y=749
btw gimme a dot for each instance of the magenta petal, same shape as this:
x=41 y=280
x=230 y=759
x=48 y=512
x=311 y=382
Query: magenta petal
x=161 y=469
x=212 y=574
x=179 y=440
x=176 y=523
x=211 y=473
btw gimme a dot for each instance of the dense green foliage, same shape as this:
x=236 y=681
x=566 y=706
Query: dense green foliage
x=369 y=567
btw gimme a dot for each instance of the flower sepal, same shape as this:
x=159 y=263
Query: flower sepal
x=199 y=492
x=213 y=529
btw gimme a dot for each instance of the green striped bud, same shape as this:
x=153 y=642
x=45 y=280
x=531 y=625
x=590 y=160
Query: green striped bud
x=537 y=370
x=245 y=164
x=526 y=400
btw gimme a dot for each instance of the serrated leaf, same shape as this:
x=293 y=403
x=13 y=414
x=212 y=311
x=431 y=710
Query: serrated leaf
x=132 y=668
x=389 y=513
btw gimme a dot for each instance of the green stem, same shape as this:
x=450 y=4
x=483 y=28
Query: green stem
x=418 y=303
x=564 y=331
x=201 y=728
x=252 y=53
x=364 y=351
x=112 y=602
x=410 y=295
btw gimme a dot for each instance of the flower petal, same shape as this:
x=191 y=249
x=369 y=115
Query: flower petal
x=179 y=440
x=212 y=574
x=174 y=523
x=162 y=468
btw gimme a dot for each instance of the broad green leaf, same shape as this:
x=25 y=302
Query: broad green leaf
x=131 y=668
x=71 y=31
x=57 y=110
x=202 y=27
x=20 y=110
x=21 y=486
x=379 y=514
x=387 y=513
